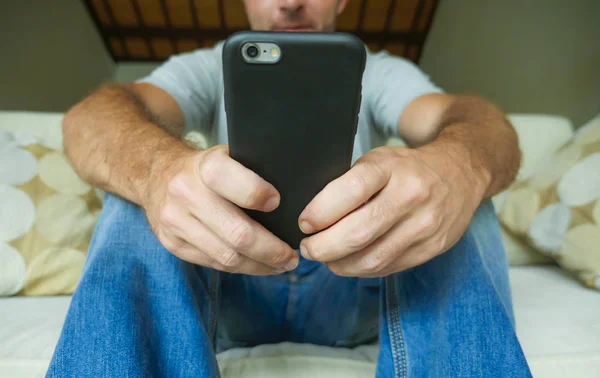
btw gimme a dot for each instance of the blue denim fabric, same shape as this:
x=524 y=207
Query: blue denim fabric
x=139 y=311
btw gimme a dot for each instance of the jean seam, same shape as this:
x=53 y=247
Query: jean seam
x=395 y=331
x=213 y=289
x=290 y=312
x=214 y=286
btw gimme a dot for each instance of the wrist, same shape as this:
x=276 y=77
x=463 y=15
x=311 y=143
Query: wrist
x=459 y=165
x=166 y=161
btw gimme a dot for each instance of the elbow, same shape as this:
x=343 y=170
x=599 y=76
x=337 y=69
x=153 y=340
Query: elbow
x=515 y=158
x=72 y=123
x=76 y=119
x=68 y=129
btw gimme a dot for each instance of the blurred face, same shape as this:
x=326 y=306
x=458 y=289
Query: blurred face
x=294 y=15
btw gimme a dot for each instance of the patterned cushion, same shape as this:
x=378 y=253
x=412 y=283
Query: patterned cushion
x=47 y=213
x=557 y=210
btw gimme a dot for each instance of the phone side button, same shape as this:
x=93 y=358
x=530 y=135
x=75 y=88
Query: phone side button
x=358 y=112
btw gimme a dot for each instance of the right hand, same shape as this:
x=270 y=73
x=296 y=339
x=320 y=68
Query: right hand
x=192 y=206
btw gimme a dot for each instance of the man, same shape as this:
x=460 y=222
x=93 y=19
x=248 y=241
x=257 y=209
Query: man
x=158 y=296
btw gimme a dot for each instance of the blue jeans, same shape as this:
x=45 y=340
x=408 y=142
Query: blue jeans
x=140 y=311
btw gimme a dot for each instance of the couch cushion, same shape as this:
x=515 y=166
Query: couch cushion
x=557 y=323
x=557 y=210
x=47 y=213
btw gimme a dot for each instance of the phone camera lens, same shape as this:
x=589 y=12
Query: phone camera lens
x=252 y=51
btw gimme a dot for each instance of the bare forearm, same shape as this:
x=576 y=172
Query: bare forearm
x=477 y=136
x=114 y=143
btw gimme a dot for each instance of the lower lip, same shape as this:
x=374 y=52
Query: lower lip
x=297 y=29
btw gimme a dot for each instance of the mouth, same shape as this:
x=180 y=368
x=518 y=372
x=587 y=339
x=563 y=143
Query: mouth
x=298 y=28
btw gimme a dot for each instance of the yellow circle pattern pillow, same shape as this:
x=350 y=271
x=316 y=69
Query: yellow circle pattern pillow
x=557 y=210
x=47 y=215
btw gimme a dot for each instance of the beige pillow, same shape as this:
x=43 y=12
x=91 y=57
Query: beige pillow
x=47 y=216
x=557 y=210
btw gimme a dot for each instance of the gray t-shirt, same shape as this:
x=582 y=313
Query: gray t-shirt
x=195 y=80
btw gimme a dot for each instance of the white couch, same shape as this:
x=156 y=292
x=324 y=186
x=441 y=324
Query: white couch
x=557 y=319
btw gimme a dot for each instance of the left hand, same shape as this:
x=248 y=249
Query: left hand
x=396 y=208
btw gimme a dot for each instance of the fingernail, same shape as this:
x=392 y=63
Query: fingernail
x=278 y=271
x=306 y=227
x=303 y=252
x=292 y=264
x=272 y=203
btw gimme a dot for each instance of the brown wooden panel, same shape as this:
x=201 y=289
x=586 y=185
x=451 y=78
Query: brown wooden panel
x=162 y=47
x=208 y=13
x=156 y=29
x=209 y=43
x=180 y=13
x=152 y=13
x=373 y=46
x=235 y=14
x=116 y=45
x=137 y=47
x=404 y=14
x=184 y=45
x=350 y=16
x=375 y=15
x=413 y=52
x=123 y=12
x=396 y=48
x=100 y=11
x=427 y=15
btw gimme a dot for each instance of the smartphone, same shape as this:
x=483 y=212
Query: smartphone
x=292 y=102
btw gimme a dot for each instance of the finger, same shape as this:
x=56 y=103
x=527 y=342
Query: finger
x=343 y=195
x=243 y=234
x=194 y=233
x=204 y=257
x=415 y=255
x=390 y=247
x=223 y=175
x=357 y=230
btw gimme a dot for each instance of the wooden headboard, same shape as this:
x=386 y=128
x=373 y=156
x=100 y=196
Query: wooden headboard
x=152 y=30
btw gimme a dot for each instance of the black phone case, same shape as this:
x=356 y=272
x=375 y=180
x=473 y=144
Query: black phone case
x=294 y=122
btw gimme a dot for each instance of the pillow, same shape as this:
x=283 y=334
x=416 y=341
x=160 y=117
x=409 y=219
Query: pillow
x=557 y=210
x=47 y=213
x=557 y=131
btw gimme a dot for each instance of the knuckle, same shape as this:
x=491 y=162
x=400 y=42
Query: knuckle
x=441 y=244
x=428 y=222
x=211 y=167
x=170 y=244
x=278 y=257
x=168 y=217
x=418 y=190
x=242 y=235
x=177 y=186
x=380 y=153
x=360 y=238
x=254 y=196
x=230 y=259
x=357 y=186
x=366 y=176
x=372 y=264
x=316 y=252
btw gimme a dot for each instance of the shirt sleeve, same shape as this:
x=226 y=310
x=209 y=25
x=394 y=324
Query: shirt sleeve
x=390 y=84
x=193 y=79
